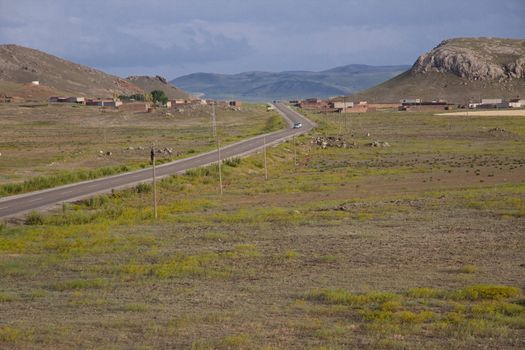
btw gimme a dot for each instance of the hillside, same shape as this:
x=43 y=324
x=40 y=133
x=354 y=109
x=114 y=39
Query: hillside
x=149 y=84
x=288 y=84
x=459 y=70
x=20 y=65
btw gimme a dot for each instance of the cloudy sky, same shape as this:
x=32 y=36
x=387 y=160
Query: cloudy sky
x=173 y=38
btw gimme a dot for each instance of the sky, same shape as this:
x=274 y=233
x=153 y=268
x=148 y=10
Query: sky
x=178 y=37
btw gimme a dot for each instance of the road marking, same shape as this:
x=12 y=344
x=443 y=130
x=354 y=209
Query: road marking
x=3 y=208
x=34 y=200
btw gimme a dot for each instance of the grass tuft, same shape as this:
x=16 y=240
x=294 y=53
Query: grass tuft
x=79 y=284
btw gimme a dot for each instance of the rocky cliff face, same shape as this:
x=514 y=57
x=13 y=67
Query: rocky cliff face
x=476 y=59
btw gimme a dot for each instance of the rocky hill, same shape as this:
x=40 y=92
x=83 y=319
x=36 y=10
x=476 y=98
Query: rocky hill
x=459 y=70
x=289 y=84
x=149 y=84
x=20 y=65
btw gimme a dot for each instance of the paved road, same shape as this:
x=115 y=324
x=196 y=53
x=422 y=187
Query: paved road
x=16 y=205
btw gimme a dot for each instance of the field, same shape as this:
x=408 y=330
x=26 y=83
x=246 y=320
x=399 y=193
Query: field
x=497 y=113
x=51 y=145
x=418 y=243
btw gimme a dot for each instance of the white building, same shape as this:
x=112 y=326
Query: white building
x=491 y=101
x=343 y=105
x=410 y=101
x=517 y=103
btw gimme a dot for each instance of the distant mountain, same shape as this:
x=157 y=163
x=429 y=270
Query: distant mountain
x=149 y=84
x=288 y=84
x=20 y=65
x=459 y=70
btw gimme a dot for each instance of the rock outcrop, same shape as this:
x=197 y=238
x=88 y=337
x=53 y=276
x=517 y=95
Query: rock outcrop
x=476 y=59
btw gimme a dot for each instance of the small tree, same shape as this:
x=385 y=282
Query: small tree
x=159 y=96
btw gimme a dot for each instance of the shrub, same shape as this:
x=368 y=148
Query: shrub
x=468 y=269
x=485 y=291
x=494 y=307
x=232 y=162
x=34 y=218
x=341 y=296
x=143 y=188
x=79 y=284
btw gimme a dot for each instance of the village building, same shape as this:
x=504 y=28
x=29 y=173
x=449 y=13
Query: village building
x=341 y=105
x=517 y=103
x=314 y=103
x=491 y=101
x=79 y=100
x=103 y=102
x=419 y=105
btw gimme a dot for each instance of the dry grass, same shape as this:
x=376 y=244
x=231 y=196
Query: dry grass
x=65 y=141
x=396 y=247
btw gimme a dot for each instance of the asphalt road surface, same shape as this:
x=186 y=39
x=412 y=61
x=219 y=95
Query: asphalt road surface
x=19 y=204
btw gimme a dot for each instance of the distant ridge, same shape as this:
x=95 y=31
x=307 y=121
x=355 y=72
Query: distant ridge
x=288 y=84
x=459 y=70
x=20 y=65
x=149 y=84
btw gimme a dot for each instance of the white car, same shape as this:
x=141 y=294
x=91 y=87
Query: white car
x=297 y=125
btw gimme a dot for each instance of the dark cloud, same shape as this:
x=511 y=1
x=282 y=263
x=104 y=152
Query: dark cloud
x=179 y=37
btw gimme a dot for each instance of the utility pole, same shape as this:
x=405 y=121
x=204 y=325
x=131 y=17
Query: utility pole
x=152 y=156
x=218 y=148
x=265 y=162
x=294 y=153
x=213 y=122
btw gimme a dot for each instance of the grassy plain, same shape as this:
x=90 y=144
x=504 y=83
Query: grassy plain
x=416 y=245
x=51 y=145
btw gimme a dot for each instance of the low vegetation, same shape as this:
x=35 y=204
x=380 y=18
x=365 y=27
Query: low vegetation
x=417 y=245
x=53 y=145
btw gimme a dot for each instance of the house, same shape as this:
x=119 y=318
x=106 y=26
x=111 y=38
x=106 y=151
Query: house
x=342 y=105
x=72 y=99
x=235 y=103
x=104 y=102
x=168 y=104
x=410 y=101
x=314 y=103
x=491 y=101
x=35 y=83
x=517 y=103
x=419 y=105
x=79 y=100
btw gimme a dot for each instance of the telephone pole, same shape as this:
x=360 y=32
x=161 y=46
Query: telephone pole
x=265 y=162
x=294 y=153
x=218 y=148
x=152 y=156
